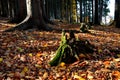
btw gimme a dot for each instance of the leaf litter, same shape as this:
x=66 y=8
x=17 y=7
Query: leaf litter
x=25 y=55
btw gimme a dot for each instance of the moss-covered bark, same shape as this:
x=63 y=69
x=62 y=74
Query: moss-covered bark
x=70 y=48
x=73 y=12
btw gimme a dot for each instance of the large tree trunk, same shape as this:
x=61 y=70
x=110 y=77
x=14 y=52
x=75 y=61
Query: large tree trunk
x=35 y=17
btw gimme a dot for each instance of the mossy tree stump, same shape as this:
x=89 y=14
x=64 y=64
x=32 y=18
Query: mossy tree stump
x=70 y=48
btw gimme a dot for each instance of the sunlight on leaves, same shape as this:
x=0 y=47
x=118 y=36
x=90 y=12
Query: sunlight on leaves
x=24 y=70
x=116 y=74
x=8 y=64
x=44 y=44
x=1 y=59
x=117 y=59
x=82 y=56
x=37 y=65
x=45 y=75
x=38 y=54
x=99 y=50
x=76 y=77
x=90 y=77
x=22 y=58
x=118 y=55
x=62 y=64
x=30 y=54
x=107 y=64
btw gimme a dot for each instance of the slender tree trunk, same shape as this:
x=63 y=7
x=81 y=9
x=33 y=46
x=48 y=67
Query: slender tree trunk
x=63 y=9
x=101 y=10
x=117 y=13
x=74 y=14
x=96 y=12
x=80 y=10
x=0 y=8
x=92 y=11
x=44 y=13
x=4 y=7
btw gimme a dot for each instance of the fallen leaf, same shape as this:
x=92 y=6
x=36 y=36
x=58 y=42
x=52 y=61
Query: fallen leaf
x=17 y=75
x=38 y=54
x=22 y=58
x=30 y=54
x=38 y=66
x=45 y=45
x=1 y=59
x=99 y=50
x=82 y=56
x=116 y=74
x=90 y=77
x=118 y=55
x=8 y=64
x=62 y=64
x=24 y=70
x=45 y=75
x=78 y=77
x=107 y=64
x=117 y=59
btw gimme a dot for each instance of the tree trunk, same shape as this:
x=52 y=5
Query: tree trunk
x=0 y=8
x=17 y=10
x=4 y=8
x=80 y=10
x=35 y=17
x=117 y=13
x=73 y=12
x=95 y=12
x=101 y=10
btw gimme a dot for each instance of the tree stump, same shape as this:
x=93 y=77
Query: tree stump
x=70 y=48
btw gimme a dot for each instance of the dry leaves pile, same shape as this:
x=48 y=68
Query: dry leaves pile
x=25 y=55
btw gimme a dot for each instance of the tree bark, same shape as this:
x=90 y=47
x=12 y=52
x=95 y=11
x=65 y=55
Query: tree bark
x=4 y=8
x=73 y=12
x=95 y=12
x=35 y=17
x=0 y=8
x=117 y=13
x=81 y=11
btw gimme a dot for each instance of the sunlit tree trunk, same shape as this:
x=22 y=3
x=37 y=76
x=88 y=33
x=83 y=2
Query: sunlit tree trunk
x=73 y=13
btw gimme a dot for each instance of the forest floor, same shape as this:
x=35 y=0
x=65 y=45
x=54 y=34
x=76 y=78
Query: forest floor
x=25 y=54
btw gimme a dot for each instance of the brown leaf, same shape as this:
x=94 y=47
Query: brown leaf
x=45 y=75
